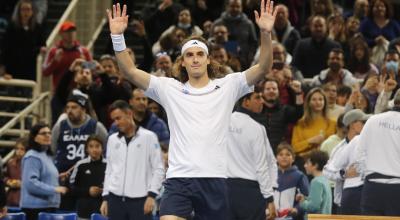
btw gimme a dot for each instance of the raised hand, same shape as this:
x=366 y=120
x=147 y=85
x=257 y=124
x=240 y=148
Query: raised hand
x=266 y=19
x=117 y=21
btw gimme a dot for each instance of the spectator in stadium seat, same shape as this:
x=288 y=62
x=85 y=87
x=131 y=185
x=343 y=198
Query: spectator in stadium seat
x=162 y=65
x=335 y=73
x=334 y=110
x=25 y=32
x=186 y=23
x=291 y=181
x=145 y=118
x=319 y=199
x=332 y=141
x=13 y=173
x=379 y=28
x=276 y=116
x=40 y=191
x=241 y=29
x=69 y=137
x=359 y=62
x=158 y=18
x=87 y=179
x=314 y=127
x=60 y=57
x=310 y=54
x=284 y=31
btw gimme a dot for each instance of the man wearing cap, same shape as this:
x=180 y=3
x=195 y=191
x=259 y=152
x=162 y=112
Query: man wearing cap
x=341 y=169
x=64 y=53
x=69 y=136
x=198 y=108
x=379 y=162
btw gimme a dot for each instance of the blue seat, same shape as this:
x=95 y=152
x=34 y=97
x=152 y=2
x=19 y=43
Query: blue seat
x=57 y=216
x=14 y=216
x=96 y=216
x=13 y=209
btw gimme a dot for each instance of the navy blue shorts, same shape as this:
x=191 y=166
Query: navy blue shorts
x=207 y=197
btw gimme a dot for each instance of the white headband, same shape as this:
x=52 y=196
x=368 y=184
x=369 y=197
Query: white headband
x=194 y=43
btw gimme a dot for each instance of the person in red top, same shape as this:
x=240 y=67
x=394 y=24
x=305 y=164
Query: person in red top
x=64 y=53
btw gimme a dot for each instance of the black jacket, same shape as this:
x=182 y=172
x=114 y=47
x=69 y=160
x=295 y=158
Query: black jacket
x=87 y=173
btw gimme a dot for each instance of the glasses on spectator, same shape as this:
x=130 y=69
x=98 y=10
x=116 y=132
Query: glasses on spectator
x=44 y=133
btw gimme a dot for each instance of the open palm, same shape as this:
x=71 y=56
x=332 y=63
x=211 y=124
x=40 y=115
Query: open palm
x=118 y=21
x=266 y=19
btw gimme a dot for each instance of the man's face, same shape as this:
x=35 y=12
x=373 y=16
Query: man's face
x=122 y=119
x=335 y=60
x=234 y=7
x=220 y=34
x=195 y=60
x=164 y=63
x=331 y=94
x=271 y=92
x=138 y=101
x=278 y=53
x=318 y=28
x=255 y=103
x=83 y=77
x=220 y=56
x=282 y=16
x=68 y=36
x=75 y=112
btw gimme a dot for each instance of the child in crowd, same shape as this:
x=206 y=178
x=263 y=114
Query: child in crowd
x=13 y=173
x=320 y=198
x=290 y=182
x=87 y=179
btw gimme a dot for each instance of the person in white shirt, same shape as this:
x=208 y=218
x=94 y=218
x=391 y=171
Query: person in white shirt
x=341 y=169
x=378 y=160
x=252 y=168
x=198 y=107
x=134 y=171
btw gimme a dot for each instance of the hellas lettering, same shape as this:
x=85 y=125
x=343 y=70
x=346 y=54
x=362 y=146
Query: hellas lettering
x=389 y=125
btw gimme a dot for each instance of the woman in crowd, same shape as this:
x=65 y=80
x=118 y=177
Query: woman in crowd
x=27 y=35
x=314 y=127
x=359 y=61
x=379 y=28
x=40 y=191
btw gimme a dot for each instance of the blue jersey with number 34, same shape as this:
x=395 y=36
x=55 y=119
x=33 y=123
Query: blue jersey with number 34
x=71 y=144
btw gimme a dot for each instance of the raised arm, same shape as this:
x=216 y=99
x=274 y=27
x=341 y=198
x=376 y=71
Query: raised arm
x=265 y=21
x=118 y=22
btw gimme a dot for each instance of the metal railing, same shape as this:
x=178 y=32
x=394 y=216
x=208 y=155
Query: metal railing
x=89 y=17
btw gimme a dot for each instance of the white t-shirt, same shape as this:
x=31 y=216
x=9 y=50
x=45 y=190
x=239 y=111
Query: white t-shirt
x=198 y=120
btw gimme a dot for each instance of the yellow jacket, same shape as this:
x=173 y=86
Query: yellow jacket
x=302 y=132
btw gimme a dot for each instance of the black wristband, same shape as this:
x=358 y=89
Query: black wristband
x=152 y=194
x=269 y=199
